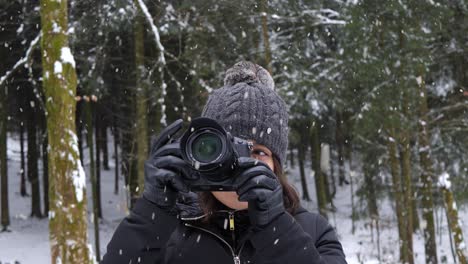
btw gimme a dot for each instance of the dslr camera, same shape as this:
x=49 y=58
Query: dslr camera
x=213 y=154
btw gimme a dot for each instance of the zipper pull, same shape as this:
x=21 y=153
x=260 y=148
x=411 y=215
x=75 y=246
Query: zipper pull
x=231 y=221
x=237 y=260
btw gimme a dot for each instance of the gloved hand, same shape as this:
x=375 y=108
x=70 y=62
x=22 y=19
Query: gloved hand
x=259 y=186
x=165 y=168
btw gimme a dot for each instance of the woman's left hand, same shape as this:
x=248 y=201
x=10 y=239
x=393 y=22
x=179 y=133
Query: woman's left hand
x=258 y=185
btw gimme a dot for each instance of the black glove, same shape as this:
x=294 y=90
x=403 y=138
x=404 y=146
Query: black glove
x=259 y=186
x=165 y=168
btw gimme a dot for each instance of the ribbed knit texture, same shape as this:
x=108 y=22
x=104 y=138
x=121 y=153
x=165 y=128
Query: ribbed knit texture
x=248 y=107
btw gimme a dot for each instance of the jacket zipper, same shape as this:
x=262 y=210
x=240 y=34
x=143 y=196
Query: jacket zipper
x=235 y=257
x=231 y=221
x=231 y=228
x=193 y=218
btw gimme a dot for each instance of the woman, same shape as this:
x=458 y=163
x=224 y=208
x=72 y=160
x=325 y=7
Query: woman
x=261 y=222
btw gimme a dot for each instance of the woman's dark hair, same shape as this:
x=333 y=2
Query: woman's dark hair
x=209 y=203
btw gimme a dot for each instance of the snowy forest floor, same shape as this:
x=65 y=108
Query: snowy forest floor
x=28 y=239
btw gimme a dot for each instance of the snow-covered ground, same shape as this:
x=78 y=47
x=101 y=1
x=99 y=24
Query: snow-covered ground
x=366 y=244
x=28 y=241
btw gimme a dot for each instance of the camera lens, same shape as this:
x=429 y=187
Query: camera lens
x=207 y=147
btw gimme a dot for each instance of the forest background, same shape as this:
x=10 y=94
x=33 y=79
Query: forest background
x=377 y=95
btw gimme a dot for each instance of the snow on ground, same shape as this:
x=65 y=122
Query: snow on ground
x=28 y=241
x=363 y=246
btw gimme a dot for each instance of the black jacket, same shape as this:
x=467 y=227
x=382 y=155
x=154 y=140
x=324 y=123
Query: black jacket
x=152 y=235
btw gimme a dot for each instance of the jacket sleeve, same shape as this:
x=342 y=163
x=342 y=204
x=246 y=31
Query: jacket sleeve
x=141 y=236
x=309 y=239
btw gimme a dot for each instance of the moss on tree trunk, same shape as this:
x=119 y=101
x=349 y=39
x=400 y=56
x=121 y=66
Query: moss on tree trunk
x=398 y=197
x=67 y=184
x=452 y=212
x=426 y=176
x=141 y=98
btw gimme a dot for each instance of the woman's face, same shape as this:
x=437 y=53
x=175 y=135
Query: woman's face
x=231 y=199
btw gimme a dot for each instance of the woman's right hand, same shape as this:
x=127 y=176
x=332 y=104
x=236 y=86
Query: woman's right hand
x=165 y=168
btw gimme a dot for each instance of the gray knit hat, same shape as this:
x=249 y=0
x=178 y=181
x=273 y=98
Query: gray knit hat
x=248 y=107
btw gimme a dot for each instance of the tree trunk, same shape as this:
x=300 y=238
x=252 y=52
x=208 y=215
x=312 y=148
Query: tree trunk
x=92 y=168
x=352 y=175
x=453 y=221
x=116 y=153
x=315 y=161
x=305 y=192
x=104 y=147
x=407 y=192
x=97 y=130
x=426 y=175
x=291 y=157
x=5 y=211
x=128 y=162
x=398 y=196
x=369 y=173
x=346 y=129
x=325 y=168
x=370 y=169
x=141 y=133
x=340 y=148
x=404 y=138
x=33 y=170
x=266 y=38
x=79 y=127
x=23 y=190
x=45 y=167
x=67 y=181
x=414 y=208
x=350 y=172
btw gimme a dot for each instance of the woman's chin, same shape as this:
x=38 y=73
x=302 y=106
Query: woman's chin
x=239 y=205
x=231 y=200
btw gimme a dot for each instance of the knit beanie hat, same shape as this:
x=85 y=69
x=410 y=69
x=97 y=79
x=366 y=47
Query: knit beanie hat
x=248 y=107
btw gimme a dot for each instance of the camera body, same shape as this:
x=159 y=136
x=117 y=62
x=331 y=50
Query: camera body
x=212 y=153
